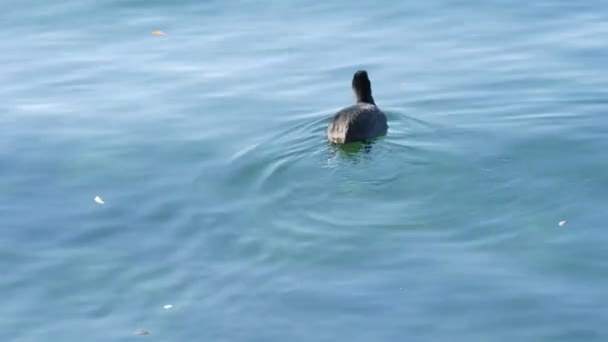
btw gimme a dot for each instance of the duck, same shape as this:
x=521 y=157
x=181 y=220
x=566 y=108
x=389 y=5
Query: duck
x=361 y=121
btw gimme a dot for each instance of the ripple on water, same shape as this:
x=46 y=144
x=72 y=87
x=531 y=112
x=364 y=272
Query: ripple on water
x=267 y=169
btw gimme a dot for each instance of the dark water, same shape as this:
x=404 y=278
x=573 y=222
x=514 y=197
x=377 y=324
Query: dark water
x=223 y=199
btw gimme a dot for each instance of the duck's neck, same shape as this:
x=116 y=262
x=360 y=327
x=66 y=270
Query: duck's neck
x=366 y=98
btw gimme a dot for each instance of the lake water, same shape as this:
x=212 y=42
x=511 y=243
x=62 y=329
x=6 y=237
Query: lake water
x=224 y=199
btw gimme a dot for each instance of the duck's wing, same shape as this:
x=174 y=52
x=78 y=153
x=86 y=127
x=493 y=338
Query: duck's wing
x=360 y=121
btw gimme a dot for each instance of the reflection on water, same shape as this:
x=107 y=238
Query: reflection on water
x=352 y=152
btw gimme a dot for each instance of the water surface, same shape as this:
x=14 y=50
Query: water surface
x=224 y=199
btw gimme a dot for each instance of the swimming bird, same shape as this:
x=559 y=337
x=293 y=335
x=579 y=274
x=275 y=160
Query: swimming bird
x=361 y=121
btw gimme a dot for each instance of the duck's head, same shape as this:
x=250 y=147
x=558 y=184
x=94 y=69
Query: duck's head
x=362 y=87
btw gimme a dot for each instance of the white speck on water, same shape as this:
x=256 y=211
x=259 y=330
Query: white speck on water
x=99 y=200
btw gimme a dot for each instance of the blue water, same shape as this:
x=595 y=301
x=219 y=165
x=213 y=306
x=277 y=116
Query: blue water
x=223 y=198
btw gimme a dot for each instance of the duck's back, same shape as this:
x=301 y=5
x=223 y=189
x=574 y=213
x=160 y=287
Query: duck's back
x=357 y=122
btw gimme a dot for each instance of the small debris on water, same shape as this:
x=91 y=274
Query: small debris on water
x=158 y=33
x=168 y=306
x=562 y=223
x=142 y=332
x=99 y=200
